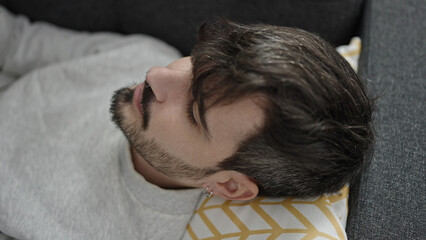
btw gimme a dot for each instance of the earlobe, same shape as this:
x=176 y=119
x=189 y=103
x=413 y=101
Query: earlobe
x=237 y=187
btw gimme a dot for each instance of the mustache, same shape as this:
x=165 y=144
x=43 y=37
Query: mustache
x=147 y=98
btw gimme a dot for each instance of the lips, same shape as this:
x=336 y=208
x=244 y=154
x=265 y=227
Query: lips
x=137 y=97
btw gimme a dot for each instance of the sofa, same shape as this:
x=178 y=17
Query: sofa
x=387 y=200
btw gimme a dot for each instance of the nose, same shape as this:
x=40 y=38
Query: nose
x=169 y=84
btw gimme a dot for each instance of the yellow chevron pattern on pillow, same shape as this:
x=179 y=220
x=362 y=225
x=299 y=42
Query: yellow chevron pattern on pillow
x=270 y=218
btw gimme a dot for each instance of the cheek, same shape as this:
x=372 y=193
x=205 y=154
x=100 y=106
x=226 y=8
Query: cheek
x=172 y=130
x=177 y=136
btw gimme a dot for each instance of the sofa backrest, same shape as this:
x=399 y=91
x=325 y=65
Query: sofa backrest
x=176 y=22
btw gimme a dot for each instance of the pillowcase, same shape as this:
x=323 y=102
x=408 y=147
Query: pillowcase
x=263 y=218
x=270 y=218
x=351 y=52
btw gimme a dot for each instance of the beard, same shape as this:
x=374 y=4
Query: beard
x=135 y=131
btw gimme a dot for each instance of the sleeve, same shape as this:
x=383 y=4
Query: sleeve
x=25 y=46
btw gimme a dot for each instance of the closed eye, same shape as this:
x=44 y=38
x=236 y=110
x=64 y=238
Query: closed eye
x=190 y=112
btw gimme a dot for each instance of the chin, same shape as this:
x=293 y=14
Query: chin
x=121 y=110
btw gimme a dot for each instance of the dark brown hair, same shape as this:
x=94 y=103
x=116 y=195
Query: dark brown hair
x=318 y=118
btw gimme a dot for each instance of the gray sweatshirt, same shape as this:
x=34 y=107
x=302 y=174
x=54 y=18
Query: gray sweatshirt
x=65 y=169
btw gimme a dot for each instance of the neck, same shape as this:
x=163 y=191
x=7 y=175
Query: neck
x=152 y=175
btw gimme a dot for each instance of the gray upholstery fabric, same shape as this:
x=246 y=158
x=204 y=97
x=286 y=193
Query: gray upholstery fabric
x=176 y=22
x=85 y=15
x=390 y=202
x=334 y=20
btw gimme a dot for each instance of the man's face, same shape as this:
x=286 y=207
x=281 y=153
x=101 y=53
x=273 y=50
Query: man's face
x=162 y=124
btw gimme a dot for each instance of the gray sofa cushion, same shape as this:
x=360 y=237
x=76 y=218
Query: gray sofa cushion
x=87 y=15
x=176 y=22
x=390 y=199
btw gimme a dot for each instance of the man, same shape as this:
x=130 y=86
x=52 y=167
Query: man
x=255 y=110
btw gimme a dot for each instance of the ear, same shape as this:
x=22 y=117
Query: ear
x=232 y=185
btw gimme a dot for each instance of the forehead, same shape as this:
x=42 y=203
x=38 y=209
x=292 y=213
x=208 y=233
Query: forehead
x=232 y=123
